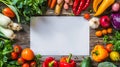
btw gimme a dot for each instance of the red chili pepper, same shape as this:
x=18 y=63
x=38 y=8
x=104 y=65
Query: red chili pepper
x=50 y=62
x=75 y=5
x=86 y=5
x=67 y=62
x=81 y=5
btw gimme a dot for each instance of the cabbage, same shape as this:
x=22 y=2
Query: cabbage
x=115 y=18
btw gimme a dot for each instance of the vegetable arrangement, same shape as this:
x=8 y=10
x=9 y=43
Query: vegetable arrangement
x=10 y=55
x=23 y=9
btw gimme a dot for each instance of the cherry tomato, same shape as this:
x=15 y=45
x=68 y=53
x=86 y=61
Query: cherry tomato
x=33 y=64
x=14 y=55
x=21 y=61
x=109 y=47
x=8 y=12
x=25 y=65
x=87 y=16
x=17 y=49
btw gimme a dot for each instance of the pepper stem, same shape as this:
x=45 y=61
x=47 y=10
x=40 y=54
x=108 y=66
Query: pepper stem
x=51 y=64
x=69 y=58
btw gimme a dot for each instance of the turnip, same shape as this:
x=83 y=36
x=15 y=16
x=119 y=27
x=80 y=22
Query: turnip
x=7 y=33
x=8 y=23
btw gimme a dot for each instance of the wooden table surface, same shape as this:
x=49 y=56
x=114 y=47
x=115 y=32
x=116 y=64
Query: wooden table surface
x=23 y=38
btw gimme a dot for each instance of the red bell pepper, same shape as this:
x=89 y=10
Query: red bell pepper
x=50 y=62
x=67 y=62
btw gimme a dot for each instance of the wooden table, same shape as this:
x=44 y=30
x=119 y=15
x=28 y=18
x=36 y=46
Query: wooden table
x=23 y=38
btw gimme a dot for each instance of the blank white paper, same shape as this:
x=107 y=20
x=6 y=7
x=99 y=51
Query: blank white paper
x=59 y=35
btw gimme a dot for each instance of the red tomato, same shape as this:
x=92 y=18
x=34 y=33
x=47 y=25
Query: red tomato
x=27 y=54
x=14 y=55
x=17 y=49
x=109 y=47
x=87 y=16
x=8 y=12
x=33 y=64
x=25 y=65
x=21 y=61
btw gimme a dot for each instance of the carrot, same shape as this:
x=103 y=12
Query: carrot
x=49 y=2
x=53 y=3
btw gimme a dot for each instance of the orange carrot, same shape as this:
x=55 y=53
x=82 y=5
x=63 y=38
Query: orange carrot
x=53 y=3
x=49 y=2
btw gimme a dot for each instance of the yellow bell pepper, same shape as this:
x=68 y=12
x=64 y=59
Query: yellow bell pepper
x=99 y=53
x=104 y=5
x=95 y=4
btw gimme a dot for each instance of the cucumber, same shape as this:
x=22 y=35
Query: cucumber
x=86 y=62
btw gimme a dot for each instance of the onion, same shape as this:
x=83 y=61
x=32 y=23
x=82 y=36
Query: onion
x=115 y=7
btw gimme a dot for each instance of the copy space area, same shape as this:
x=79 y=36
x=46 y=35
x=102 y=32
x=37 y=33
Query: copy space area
x=59 y=35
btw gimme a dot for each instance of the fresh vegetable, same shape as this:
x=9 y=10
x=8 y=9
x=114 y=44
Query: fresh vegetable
x=106 y=64
x=17 y=49
x=20 y=61
x=25 y=9
x=75 y=6
x=67 y=62
x=5 y=54
x=81 y=5
x=66 y=6
x=14 y=55
x=37 y=60
x=7 y=33
x=114 y=56
x=99 y=53
x=105 y=21
x=8 y=23
x=67 y=1
x=86 y=62
x=8 y=12
x=109 y=47
x=115 y=39
x=86 y=4
x=115 y=7
x=103 y=6
x=94 y=22
x=98 y=33
x=33 y=64
x=27 y=54
x=58 y=8
x=115 y=20
x=50 y=62
x=104 y=31
x=25 y=65
x=109 y=30
x=53 y=3
x=49 y=2
x=96 y=4
x=87 y=16
x=59 y=1
x=71 y=2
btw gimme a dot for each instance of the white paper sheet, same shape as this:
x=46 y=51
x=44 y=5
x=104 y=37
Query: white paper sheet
x=59 y=35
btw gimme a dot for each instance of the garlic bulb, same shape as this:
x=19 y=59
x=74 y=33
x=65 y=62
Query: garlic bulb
x=94 y=22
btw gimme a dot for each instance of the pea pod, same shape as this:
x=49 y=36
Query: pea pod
x=86 y=62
